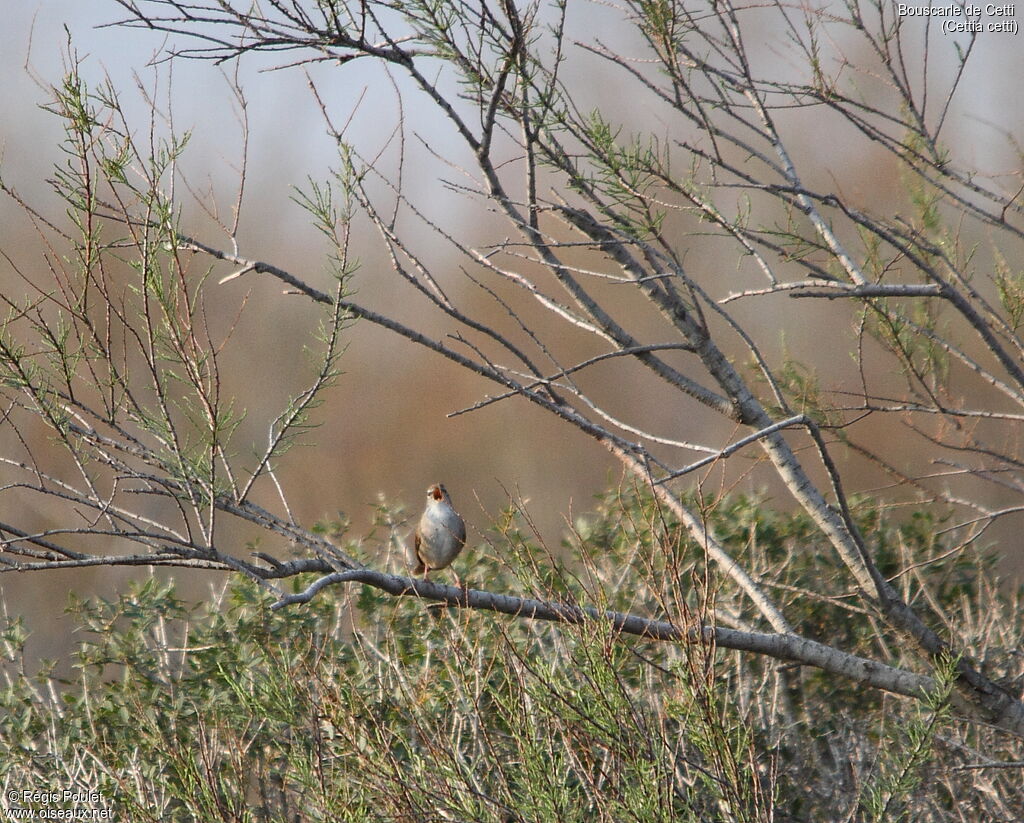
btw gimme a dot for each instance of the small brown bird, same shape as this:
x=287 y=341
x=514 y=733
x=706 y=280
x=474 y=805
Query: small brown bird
x=440 y=534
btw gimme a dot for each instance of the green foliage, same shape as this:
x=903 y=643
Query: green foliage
x=899 y=770
x=358 y=706
x=802 y=389
x=626 y=173
x=1010 y=285
x=914 y=335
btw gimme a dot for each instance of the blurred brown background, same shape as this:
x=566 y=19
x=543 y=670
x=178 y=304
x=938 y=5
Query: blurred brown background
x=385 y=430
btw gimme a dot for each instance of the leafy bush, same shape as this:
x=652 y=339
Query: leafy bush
x=359 y=706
